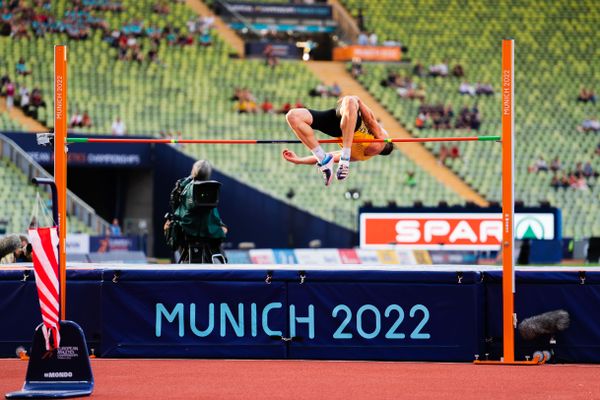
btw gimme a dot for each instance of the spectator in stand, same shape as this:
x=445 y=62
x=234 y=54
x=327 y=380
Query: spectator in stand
x=363 y=39
x=152 y=56
x=185 y=39
x=87 y=120
x=410 y=181
x=171 y=35
x=206 y=22
x=464 y=118
x=555 y=165
x=118 y=127
x=115 y=229
x=586 y=95
x=285 y=108
x=443 y=154
x=237 y=94
x=458 y=71
x=589 y=125
x=588 y=170
x=419 y=70
x=420 y=120
x=270 y=58
x=448 y=114
x=466 y=88
x=76 y=120
x=320 y=91
x=579 y=169
x=205 y=39
x=440 y=69
x=267 y=107
x=418 y=93
x=454 y=152
x=539 y=165
x=475 y=119
x=391 y=80
x=581 y=184
x=335 y=90
x=9 y=89
x=484 y=89
x=192 y=24
x=24 y=98
x=564 y=181
x=161 y=7
x=598 y=149
x=555 y=183
x=22 y=68
x=246 y=105
x=356 y=67
x=37 y=101
x=373 y=40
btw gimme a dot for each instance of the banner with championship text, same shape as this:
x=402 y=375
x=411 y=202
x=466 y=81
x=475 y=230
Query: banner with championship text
x=324 y=256
x=449 y=231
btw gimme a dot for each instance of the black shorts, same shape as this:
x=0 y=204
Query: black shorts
x=328 y=122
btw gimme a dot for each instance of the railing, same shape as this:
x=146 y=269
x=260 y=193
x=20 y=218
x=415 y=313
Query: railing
x=239 y=17
x=75 y=206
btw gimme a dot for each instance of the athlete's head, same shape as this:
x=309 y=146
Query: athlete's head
x=387 y=149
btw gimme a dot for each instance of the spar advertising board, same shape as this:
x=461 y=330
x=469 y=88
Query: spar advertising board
x=451 y=230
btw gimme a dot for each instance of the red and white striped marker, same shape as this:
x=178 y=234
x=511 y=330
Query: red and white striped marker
x=45 y=263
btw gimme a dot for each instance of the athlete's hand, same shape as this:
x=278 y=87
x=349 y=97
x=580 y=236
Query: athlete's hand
x=290 y=156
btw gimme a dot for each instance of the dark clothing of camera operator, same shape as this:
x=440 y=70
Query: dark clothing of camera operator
x=194 y=228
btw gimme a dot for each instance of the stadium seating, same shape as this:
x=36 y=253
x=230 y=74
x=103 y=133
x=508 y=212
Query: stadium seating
x=8 y=124
x=191 y=93
x=556 y=53
x=17 y=201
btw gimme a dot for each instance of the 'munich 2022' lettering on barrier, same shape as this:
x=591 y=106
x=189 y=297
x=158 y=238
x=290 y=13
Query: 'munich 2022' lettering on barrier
x=366 y=322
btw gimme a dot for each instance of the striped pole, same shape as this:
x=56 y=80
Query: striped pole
x=284 y=141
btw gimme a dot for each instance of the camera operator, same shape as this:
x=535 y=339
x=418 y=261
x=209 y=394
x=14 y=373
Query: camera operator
x=193 y=228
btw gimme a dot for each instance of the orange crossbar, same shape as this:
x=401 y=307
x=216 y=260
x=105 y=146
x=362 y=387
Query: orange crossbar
x=508 y=273
x=60 y=165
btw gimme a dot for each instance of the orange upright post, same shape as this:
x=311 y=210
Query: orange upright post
x=508 y=160
x=60 y=165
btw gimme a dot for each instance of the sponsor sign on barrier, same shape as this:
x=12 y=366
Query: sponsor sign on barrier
x=367 y=53
x=78 y=243
x=318 y=256
x=349 y=256
x=254 y=10
x=262 y=256
x=452 y=231
x=280 y=50
x=104 y=244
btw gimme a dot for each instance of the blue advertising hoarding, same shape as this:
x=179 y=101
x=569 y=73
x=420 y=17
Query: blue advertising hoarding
x=308 y=313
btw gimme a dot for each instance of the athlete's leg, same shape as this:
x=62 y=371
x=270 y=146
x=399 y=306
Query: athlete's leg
x=300 y=120
x=349 y=113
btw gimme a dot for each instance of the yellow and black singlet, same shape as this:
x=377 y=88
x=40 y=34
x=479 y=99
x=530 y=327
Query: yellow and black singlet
x=328 y=122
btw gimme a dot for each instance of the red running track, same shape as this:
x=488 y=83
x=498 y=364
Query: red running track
x=265 y=380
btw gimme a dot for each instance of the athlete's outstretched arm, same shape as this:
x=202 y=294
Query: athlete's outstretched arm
x=290 y=156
